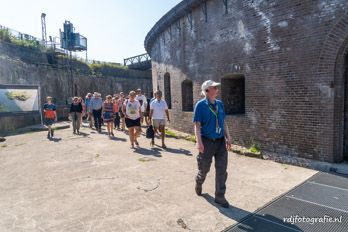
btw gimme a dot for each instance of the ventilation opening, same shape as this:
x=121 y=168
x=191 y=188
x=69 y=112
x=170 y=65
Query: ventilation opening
x=187 y=95
x=167 y=90
x=233 y=94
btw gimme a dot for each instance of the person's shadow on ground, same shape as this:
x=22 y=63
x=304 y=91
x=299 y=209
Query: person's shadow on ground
x=83 y=134
x=118 y=139
x=179 y=151
x=251 y=222
x=56 y=140
x=143 y=151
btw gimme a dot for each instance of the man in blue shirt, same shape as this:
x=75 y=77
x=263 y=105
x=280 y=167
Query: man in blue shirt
x=213 y=140
x=95 y=106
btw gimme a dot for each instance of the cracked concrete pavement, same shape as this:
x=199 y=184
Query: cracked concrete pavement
x=92 y=183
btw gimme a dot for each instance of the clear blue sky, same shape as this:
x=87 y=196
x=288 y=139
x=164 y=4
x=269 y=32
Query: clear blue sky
x=115 y=29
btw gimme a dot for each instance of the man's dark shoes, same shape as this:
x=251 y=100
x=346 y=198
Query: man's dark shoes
x=222 y=202
x=198 y=189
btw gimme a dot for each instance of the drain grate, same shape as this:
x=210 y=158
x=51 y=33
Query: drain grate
x=315 y=199
x=328 y=179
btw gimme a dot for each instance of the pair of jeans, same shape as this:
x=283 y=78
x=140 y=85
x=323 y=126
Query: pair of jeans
x=218 y=150
x=97 y=118
x=117 y=120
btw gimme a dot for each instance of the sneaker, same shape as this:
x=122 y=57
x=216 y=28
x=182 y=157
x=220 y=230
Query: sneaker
x=222 y=202
x=198 y=189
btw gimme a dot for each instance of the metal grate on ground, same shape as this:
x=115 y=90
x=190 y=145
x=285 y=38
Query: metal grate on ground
x=321 y=197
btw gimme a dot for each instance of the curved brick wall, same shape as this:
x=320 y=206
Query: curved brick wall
x=291 y=53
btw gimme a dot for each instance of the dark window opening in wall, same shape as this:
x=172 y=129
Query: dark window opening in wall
x=225 y=5
x=75 y=92
x=167 y=90
x=233 y=94
x=187 y=95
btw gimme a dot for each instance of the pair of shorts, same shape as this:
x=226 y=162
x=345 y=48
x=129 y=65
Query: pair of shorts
x=49 y=121
x=158 y=122
x=132 y=123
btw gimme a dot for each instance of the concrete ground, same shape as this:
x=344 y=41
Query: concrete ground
x=93 y=183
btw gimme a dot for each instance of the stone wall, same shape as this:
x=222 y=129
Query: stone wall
x=291 y=54
x=57 y=78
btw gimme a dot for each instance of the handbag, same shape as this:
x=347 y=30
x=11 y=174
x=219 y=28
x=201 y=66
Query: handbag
x=150 y=133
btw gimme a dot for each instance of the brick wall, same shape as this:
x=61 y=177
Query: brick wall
x=292 y=55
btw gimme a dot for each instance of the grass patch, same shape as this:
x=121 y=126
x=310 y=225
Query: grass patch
x=171 y=133
x=192 y=139
x=255 y=149
x=107 y=65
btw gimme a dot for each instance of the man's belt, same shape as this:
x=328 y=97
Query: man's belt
x=213 y=139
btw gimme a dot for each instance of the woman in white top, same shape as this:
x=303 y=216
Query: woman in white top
x=132 y=111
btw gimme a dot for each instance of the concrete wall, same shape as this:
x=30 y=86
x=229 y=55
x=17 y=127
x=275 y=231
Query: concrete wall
x=291 y=54
x=27 y=66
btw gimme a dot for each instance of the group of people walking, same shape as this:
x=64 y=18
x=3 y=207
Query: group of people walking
x=118 y=111
x=115 y=112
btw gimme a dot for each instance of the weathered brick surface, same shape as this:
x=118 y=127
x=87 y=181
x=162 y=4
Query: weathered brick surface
x=292 y=54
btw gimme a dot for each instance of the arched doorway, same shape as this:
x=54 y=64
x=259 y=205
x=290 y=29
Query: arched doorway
x=331 y=67
x=167 y=90
x=345 y=130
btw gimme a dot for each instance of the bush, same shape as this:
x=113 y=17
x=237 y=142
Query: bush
x=5 y=35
